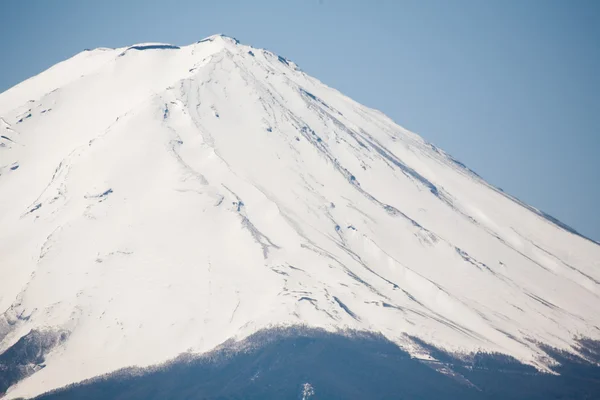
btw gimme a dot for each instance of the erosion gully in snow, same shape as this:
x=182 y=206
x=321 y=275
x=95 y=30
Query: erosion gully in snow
x=159 y=202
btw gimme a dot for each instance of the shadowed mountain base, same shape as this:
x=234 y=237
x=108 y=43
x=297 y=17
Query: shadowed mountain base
x=307 y=363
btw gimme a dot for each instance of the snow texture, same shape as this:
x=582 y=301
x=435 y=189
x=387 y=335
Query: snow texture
x=158 y=199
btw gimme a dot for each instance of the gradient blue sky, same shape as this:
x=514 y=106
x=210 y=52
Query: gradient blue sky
x=509 y=87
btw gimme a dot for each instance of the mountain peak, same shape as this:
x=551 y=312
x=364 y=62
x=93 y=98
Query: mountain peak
x=220 y=36
x=157 y=200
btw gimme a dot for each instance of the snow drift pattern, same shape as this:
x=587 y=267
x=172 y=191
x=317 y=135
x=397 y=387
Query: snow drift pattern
x=158 y=199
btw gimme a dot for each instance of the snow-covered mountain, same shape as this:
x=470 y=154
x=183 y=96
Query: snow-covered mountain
x=158 y=200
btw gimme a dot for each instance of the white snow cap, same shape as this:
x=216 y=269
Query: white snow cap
x=166 y=199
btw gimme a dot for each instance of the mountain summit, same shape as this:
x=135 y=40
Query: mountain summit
x=157 y=200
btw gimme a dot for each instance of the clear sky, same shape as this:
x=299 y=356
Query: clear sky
x=509 y=87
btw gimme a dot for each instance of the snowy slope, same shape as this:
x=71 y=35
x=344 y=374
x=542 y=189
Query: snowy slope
x=160 y=199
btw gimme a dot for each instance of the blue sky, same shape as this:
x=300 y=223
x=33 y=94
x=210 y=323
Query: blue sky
x=509 y=87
